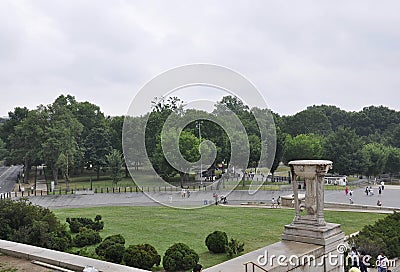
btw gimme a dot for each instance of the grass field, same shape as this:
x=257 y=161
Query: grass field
x=162 y=227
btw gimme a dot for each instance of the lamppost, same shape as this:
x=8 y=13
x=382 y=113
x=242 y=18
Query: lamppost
x=198 y=125
x=91 y=182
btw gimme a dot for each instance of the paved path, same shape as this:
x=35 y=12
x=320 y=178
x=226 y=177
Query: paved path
x=8 y=176
x=389 y=198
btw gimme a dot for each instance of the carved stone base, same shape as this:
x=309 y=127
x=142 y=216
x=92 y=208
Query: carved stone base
x=318 y=235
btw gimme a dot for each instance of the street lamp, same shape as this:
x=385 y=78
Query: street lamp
x=91 y=183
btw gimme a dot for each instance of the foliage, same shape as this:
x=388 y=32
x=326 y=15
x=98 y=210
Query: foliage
x=86 y=237
x=234 y=247
x=303 y=146
x=125 y=220
x=114 y=160
x=68 y=136
x=76 y=224
x=142 y=256
x=383 y=235
x=114 y=253
x=109 y=241
x=179 y=257
x=217 y=241
x=20 y=221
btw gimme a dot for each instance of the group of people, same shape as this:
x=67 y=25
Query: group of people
x=359 y=264
x=276 y=203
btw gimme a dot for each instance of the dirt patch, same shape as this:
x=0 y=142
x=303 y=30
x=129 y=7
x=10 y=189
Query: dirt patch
x=11 y=264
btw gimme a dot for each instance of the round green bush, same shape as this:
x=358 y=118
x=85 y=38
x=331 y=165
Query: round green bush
x=117 y=238
x=108 y=241
x=114 y=253
x=217 y=241
x=180 y=257
x=142 y=256
x=87 y=238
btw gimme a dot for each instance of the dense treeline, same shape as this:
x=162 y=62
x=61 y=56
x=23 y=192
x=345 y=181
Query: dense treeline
x=66 y=136
x=69 y=136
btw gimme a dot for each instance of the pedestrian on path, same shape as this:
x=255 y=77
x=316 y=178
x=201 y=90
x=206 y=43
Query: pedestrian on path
x=367 y=190
x=383 y=262
x=379 y=190
x=278 y=202
x=273 y=202
x=383 y=185
x=346 y=191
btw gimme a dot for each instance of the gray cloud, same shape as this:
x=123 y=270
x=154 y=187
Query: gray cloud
x=297 y=53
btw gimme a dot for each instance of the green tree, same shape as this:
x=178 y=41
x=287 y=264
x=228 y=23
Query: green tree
x=3 y=150
x=312 y=120
x=344 y=148
x=114 y=160
x=14 y=118
x=26 y=141
x=96 y=146
x=392 y=165
x=188 y=149
x=60 y=146
x=374 y=158
x=303 y=146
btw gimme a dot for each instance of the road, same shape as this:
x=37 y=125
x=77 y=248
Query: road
x=8 y=176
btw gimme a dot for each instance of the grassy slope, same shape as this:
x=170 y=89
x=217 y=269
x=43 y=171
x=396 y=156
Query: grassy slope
x=162 y=226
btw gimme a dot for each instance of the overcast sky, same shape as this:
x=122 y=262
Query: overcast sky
x=297 y=53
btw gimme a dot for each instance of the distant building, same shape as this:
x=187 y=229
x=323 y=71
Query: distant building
x=336 y=180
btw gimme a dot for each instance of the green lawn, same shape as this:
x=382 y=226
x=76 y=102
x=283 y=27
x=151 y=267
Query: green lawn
x=161 y=226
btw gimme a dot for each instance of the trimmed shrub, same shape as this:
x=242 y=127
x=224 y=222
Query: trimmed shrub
x=109 y=241
x=114 y=253
x=234 y=247
x=76 y=224
x=87 y=238
x=180 y=257
x=383 y=235
x=217 y=241
x=117 y=239
x=23 y=222
x=142 y=256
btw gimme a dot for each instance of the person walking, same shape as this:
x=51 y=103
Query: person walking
x=273 y=202
x=379 y=190
x=383 y=185
x=355 y=257
x=278 y=202
x=363 y=265
x=346 y=191
x=383 y=262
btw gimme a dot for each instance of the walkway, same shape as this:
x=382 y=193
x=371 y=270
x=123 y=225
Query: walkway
x=389 y=198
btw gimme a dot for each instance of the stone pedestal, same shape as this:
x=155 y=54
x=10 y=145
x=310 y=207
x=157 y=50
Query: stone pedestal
x=311 y=227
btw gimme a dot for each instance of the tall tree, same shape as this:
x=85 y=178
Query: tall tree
x=374 y=158
x=303 y=147
x=96 y=147
x=26 y=141
x=114 y=161
x=62 y=132
x=344 y=149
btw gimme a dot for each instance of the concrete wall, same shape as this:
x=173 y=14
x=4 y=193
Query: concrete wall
x=61 y=259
